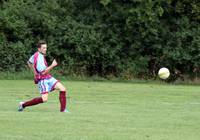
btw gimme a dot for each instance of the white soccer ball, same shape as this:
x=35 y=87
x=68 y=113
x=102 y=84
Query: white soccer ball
x=163 y=73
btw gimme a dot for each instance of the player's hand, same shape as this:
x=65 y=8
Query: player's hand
x=54 y=63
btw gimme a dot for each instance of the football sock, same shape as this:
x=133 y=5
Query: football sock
x=63 y=101
x=32 y=102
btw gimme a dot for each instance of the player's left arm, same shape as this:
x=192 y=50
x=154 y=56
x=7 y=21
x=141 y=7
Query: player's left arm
x=54 y=63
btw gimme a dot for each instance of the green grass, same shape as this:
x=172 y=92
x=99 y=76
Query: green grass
x=102 y=111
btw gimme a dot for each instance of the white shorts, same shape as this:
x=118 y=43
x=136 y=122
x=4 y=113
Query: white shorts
x=47 y=85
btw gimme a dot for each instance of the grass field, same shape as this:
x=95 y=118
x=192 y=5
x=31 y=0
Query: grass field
x=102 y=111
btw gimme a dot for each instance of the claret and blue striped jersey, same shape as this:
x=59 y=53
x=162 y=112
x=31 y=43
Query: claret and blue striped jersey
x=41 y=66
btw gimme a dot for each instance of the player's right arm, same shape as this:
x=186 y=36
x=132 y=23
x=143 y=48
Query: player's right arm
x=31 y=66
x=30 y=63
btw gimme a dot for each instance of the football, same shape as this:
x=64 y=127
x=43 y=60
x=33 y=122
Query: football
x=163 y=73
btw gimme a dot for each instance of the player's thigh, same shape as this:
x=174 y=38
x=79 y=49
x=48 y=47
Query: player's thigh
x=60 y=86
x=43 y=86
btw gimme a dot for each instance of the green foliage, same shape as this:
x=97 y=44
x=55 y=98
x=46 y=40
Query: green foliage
x=14 y=58
x=105 y=2
x=129 y=38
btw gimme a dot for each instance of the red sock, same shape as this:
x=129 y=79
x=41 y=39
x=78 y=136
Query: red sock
x=34 y=101
x=63 y=101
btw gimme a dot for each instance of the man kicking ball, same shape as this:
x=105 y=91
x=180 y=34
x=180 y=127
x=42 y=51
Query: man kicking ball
x=46 y=83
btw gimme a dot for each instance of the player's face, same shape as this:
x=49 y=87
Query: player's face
x=43 y=49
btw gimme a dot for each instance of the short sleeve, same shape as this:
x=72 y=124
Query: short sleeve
x=31 y=59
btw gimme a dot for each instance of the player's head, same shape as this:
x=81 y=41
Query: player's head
x=42 y=46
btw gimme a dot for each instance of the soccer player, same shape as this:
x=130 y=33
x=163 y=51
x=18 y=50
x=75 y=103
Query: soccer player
x=46 y=83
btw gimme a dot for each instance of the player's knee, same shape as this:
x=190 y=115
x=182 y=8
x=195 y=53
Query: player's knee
x=44 y=98
x=62 y=88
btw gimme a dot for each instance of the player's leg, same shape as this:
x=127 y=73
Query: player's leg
x=45 y=97
x=60 y=86
x=34 y=101
x=62 y=96
x=43 y=86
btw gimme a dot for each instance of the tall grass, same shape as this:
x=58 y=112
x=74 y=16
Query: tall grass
x=28 y=75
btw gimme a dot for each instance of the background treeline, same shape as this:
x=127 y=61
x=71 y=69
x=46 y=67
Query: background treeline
x=120 y=38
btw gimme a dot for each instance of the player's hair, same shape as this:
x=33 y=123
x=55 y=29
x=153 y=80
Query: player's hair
x=40 y=43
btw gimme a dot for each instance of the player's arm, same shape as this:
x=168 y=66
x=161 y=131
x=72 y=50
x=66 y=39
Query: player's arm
x=30 y=65
x=54 y=63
